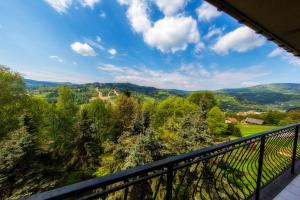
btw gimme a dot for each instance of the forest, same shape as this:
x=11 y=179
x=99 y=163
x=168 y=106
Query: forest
x=50 y=144
x=47 y=143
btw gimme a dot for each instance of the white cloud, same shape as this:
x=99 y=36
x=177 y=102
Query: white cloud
x=170 y=7
x=137 y=15
x=89 y=3
x=57 y=58
x=169 y=34
x=83 y=49
x=207 y=12
x=112 y=52
x=199 y=47
x=284 y=55
x=60 y=6
x=213 y=32
x=98 y=39
x=189 y=76
x=172 y=34
x=102 y=14
x=241 y=39
x=93 y=43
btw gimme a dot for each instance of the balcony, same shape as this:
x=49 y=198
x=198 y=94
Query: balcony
x=254 y=167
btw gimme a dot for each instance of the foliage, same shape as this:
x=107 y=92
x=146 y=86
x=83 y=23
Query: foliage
x=24 y=168
x=205 y=99
x=234 y=130
x=101 y=114
x=216 y=121
x=13 y=100
x=85 y=150
x=90 y=136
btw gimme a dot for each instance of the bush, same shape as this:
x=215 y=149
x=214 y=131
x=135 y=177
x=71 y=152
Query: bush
x=232 y=129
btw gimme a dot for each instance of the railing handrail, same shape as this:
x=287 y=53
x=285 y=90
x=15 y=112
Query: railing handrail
x=164 y=163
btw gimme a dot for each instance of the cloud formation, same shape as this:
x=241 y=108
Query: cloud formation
x=213 y=32
x=60 y=6
x=112 y=52
x=172 y=34
x=190 y=76
x=284 y=55
x=83 y=49
x=240 y=40
x=206 y=12
x=170 y=8
x=169 y=34
x=57 y=58
x=89 y=3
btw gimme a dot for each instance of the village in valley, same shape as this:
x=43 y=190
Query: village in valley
x=251 y=121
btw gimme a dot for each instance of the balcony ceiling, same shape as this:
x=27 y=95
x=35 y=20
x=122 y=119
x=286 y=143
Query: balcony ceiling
x=278 y=20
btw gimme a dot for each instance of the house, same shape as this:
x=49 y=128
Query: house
x=230 y=120
x=249 y=120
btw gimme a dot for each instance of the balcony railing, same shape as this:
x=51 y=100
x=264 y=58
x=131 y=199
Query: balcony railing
x=233 y=170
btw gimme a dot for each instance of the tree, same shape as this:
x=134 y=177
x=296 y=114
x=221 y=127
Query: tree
x=191 y=134
x=127 y=110
x=170 y=110
x=205 y=99
x=101 y=114
x=25 y=169
x=232 y=129
x=85 y=150
x=12 y=100
x=216 y=121
x=273 y=117
x=66 y=111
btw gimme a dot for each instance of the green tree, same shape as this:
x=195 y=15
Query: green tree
x=127 y=110
x=101 y=114
x=205 y=99
x=25 y=169
x=12 y=100
x=273 y=117
x=170 y=110
x=216 y=121
x=85 y=150
x=191 y=135
x=232 y=129
x=66 y=111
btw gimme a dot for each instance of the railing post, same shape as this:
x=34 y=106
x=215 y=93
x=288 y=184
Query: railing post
x=126 y=190
x=295 y=150
x=260 y=165
x=170 y=178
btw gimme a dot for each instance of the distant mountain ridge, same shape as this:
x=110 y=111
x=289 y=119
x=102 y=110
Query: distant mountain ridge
x=33 y=83
x=282 y=96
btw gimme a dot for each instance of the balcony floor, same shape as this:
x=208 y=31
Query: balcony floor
x=291 y=191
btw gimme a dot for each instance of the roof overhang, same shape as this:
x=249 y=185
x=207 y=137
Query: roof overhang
x=277 y=20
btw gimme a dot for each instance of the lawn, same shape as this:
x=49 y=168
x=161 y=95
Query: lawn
x=250 y=129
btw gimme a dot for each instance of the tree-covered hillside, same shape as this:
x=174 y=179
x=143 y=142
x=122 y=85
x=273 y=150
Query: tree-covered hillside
x=280 y=96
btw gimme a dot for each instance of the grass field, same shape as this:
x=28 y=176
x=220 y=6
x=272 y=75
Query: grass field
x=250 y=129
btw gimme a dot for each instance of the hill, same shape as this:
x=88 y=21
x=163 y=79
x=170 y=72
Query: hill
x=261 y=97
x=33 y=83
x=281 y=96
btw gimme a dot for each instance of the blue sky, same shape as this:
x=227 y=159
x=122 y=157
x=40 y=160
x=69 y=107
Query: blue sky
x=181 y=44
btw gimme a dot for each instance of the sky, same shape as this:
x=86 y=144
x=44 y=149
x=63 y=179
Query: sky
x=173 y=44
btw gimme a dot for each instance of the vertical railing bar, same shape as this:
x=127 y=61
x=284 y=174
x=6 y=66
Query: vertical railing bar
x=295 y=149
x=170 y=178
x=126 y=190
x=260 y=165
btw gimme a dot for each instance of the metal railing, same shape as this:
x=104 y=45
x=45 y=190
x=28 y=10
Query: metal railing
x=233 y=170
